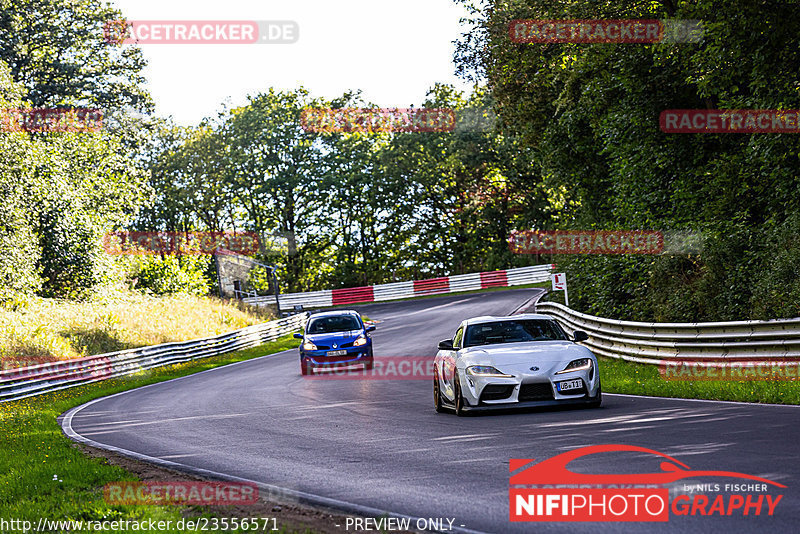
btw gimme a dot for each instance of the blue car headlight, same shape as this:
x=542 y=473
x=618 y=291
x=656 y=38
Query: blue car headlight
x=307 y=345
x=360 y=340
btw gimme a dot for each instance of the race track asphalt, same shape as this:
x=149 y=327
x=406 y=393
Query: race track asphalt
x=379 y=444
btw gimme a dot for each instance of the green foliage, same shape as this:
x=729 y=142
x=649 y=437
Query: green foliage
x=776 y=292
x=59 y=192
x=173 y=274
x=589 y=115
x=77 y=187
x=57 y=51
x=69 y=253
x=358 y=208
x=19 y=251
x=260 y=279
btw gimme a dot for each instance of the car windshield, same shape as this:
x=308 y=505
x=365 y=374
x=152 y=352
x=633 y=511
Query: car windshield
x=512 y=331
x=336 y=323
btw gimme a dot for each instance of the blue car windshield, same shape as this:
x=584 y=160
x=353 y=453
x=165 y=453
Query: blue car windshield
x=335 y=323
x=512 y=332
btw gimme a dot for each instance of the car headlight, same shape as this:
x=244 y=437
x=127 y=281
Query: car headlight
x=309 y=346
x=577 y=365
x=360 y=340
x=485 y=370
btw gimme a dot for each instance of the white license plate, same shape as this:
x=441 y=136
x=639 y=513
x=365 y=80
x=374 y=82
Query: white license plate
x=336 y=353
x=571 y=384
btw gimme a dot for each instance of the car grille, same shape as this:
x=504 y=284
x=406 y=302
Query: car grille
x=536 y=392
x=342 y=346
x=496 y=392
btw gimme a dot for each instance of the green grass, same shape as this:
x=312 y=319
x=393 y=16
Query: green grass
x=619 y=376
x=38 y=330
x=43 y=473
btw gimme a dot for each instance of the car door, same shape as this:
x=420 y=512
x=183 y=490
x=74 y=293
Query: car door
x=448 y=365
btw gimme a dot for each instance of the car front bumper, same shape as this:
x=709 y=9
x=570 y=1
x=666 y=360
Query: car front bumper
x=320 y=359
x=527 y=390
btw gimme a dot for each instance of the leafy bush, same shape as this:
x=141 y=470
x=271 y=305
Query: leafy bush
x=70 y=254
x=776 y=289
x=172 y=274
x=19 y=250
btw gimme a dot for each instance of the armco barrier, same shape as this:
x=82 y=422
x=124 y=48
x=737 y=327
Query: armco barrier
x=37 y=379
x=414 y=288
x=661 y=343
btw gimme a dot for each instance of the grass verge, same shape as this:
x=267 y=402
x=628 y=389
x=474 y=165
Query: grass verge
x=620 y=376
x=40 y=330
x=45 y=474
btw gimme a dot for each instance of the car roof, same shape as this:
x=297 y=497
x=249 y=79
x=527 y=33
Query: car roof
x=334 y=313
x=493 y=319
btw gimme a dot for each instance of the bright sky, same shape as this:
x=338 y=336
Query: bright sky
x=392 y=50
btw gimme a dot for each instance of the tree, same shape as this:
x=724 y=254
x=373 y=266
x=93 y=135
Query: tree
x=273 y=168
x=590 y=113
x=56 y=49
x=19 y=250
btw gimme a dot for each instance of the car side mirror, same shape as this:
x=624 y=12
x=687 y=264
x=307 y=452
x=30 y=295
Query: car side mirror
x=446 y=344
x=298 y=336
x=579 y=335
x=370 y=328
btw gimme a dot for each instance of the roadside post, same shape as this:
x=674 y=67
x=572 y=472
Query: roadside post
x=560 y=284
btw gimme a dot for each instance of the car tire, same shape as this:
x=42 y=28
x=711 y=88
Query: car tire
x=437 y=394
x=306 y=369
x=369 y=363
x=597 y=400
x=458 y=397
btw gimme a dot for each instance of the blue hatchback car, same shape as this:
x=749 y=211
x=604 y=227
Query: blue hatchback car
x=335 y=339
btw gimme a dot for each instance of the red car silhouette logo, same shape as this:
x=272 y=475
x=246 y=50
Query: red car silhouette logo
x=554 y=470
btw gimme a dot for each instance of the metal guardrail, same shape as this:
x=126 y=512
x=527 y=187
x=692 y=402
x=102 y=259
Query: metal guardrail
x=660 y=343
x=412 y=288
x=45 y=378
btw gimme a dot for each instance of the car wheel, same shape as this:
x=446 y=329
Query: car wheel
x=369 y=364
x=595 y=402
x=459 y=398
x=437 y=394
x=306 y=369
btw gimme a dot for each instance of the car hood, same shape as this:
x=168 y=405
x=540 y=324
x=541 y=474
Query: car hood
x=334 y=337
x=518 y=355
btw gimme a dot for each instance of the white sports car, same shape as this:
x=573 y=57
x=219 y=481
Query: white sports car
x=510 y=362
